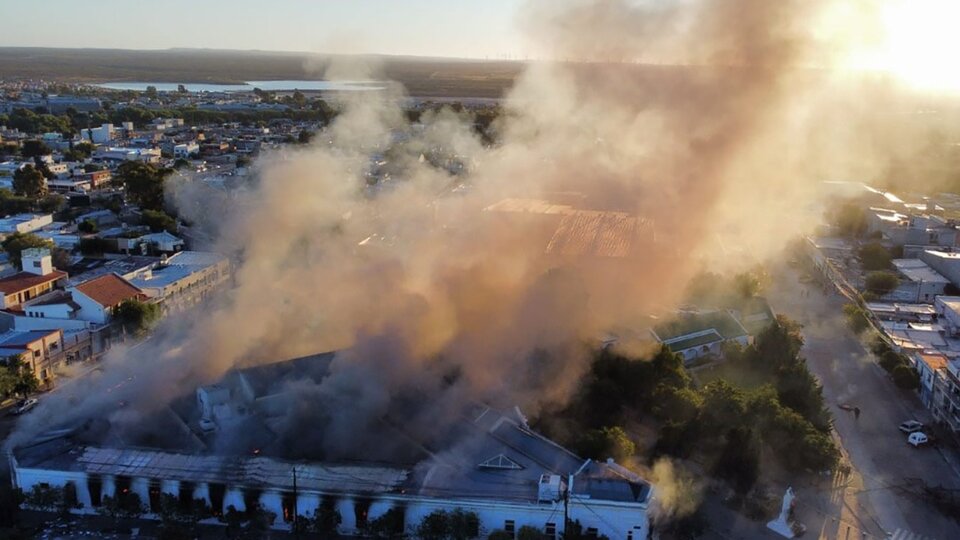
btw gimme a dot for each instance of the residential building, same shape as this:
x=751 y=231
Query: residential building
x=946 y=263
x=162 y=242
x=923 y=283
x=928 y=366
x=101 y=135
x=185 y=150
x=40 y=350
x=37 y=277
x=121 y=154
x=184 y=279
x=24 y=223
x=99 y=297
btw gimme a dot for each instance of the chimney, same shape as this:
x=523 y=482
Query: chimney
x=36 y=261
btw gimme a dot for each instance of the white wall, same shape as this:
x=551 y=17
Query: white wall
x=89 y=310
x=610 y=518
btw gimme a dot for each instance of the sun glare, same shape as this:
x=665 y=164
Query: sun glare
x=919 y=44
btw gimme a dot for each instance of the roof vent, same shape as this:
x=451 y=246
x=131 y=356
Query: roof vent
x=549 y=488
x=500 y=462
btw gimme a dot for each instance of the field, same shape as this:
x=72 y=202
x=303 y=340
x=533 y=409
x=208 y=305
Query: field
x=423 y=77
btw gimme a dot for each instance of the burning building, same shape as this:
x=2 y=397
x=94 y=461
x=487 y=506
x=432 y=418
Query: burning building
x=226 y=446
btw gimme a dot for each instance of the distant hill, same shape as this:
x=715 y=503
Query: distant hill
x=426 y=77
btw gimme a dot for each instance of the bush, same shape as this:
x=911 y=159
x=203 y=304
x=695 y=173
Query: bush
x=529 y=533
x=874 y=256
x=882 y=282
x=856 y=318
x=456 y=525
x=891 y=360
x=906 y=377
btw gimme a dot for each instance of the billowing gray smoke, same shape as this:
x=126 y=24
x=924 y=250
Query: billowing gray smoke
x=447 y=303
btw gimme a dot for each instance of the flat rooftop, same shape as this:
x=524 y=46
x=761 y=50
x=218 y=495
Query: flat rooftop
x=917 y=270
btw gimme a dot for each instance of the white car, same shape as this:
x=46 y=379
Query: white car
x=911 y=426
x=917 y=439
x=25 y=405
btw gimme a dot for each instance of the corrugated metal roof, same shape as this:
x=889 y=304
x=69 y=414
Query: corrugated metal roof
x=241 y=470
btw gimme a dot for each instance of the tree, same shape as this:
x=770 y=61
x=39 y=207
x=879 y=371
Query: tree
x=305 y=136
x=34 y=149
x=856 y=318
x=29 y=182
x=136 y=317
x=850 y=220
x=874 y=256
x=180 y=520
x=143 y=183
x=16 y=377
x=181 y=89
x=906 y=377
x=159 y=221
x=45 y=498
x=389 y=525
x=607 y=442
x=88 y=226
x=151 y=92
x=51 y=203
x=882 y=282
x=739 y=462
x=125 y=504
x=17 y=242
x=747 y=284
x=325 y=520
x=889 y=360
x=298 y=99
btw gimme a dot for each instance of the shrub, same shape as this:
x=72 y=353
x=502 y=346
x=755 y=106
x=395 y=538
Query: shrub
x=891 y=360
x=906 y=377
x=882 y=282
x=856 y=318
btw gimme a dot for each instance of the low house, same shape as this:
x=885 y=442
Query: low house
x=24 y=223
x=37 y=277
x=924 y=283
x=99 y=297
x=695 y=335
x=162 y=242
x=41 y=350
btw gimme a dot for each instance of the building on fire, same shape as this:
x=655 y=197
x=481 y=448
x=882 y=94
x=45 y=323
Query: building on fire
x=486 y=461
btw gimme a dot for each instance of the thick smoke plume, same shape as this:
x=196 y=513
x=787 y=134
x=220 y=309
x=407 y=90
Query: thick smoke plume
x=429 y=295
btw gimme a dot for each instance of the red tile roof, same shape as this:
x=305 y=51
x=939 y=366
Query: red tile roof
x=25 y=280
x=109 y=290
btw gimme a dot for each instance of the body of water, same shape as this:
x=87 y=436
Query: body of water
x=271 y=86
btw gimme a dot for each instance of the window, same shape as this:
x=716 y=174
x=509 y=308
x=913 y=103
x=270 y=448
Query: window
x=509 y=527
x=551 y=530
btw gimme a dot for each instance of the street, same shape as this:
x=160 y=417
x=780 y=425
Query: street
x=888 y=473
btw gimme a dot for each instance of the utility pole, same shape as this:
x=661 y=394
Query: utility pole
x=296 y=515
x=566 y=505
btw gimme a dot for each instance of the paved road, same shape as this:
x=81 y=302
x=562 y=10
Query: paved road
x=890 y=469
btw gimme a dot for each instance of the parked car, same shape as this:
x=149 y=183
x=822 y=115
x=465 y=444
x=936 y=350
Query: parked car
x=911 y=426
x=25 y=405
x=917 y=439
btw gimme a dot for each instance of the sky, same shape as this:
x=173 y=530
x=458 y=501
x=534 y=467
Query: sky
x=454 y=28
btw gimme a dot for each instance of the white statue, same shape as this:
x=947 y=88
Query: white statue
x=781 y=525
